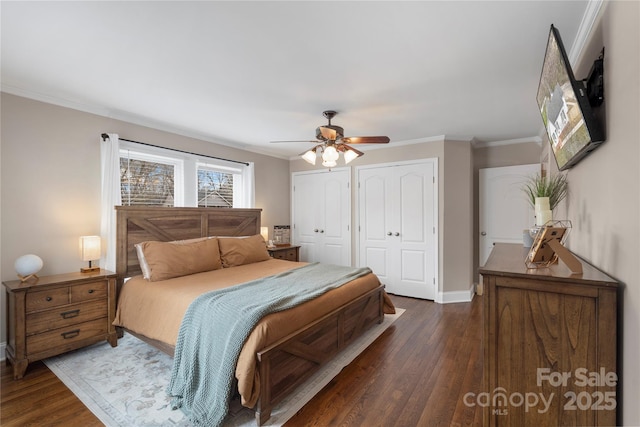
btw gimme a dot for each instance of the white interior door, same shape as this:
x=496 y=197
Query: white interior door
x=503 y=208
x=396 y=209
x=321 y=212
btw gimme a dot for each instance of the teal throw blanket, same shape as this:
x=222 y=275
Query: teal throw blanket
x=217 y=324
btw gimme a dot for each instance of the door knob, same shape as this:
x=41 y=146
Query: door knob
x=396 y=234
x=315 y=231
x=483 y=233
x=322 y=231
x=389 y=233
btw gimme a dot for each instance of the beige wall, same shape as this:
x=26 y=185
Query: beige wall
x=604 y=199
x=50 y=177
x=454 y=173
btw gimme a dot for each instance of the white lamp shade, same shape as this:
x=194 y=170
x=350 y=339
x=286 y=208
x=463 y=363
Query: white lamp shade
x=350 y=155
x=28 y=264
x=90 y=248
x=329 y=163
x=330 y=154
x=264 y=232
x=310 y=157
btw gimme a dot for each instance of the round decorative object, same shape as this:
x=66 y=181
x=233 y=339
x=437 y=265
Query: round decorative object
x=27 y=266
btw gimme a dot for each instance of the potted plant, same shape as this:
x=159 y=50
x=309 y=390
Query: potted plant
x=544 y=194
x=555 y=188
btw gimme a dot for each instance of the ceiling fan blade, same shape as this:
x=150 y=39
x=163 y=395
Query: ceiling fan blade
x=279 y=142
x=366 y=140
x=328 y=133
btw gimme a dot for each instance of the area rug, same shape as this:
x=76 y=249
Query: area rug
x=125 y=385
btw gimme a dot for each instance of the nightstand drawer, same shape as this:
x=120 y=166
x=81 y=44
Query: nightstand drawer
x=89 y=291
x=65 y=316
x=65 y=336
x=289 y=254
x=49 y=298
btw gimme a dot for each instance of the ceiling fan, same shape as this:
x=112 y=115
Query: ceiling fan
x=332 y=142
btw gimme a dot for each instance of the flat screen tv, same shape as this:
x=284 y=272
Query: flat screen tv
x=567 y=105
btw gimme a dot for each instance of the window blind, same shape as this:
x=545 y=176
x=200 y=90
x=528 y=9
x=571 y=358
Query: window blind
x=146 y=182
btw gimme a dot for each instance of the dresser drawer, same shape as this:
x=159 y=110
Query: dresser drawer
x=65 y=316
x=65 y=336
x=49 y=298
x=89 y=291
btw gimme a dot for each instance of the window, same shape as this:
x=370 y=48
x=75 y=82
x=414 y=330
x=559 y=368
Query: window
x=145 y=182
x=215 y=188
x=158 y=177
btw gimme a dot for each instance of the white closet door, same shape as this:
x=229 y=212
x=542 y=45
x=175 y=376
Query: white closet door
x=307 y=216
x=397 y=217
x=376 y=212
x=322 y=216
x=416 y=238
x=335 y=231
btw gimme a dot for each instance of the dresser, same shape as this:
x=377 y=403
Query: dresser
x=289 y=253
x=54 y=314
x=550 y=343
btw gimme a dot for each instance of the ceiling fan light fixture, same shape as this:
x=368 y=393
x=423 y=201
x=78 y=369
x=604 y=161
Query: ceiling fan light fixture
x=330 y=154
x=350 y=155
x=310 y=156
x=329 y=163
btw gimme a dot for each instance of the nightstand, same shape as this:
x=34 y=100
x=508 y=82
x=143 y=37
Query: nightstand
x=289 y=253
x=56 y=314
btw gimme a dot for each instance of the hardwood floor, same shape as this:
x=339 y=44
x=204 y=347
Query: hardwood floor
x=415 y=374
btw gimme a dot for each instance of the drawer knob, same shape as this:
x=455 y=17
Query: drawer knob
x=91 y=291
x=49 y=298
x=71 y=313
x=70 y=334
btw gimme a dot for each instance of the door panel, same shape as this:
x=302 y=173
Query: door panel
x=503 y=208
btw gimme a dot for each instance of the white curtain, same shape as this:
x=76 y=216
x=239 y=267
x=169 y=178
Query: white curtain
x=110 y=169
x=248 y=182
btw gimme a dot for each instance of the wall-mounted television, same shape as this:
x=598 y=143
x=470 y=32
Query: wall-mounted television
x=568 y=106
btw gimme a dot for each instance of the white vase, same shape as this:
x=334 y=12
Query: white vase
x=542 y=211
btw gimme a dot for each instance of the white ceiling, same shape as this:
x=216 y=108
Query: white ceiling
x=245 y=73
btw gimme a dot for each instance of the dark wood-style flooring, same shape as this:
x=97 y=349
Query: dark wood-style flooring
x=415 y=374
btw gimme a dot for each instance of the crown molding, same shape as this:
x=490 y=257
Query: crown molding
x=589 y=20
x=483 y=144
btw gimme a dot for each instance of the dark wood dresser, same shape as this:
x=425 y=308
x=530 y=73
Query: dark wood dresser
x=54 y=314
x=550 y=343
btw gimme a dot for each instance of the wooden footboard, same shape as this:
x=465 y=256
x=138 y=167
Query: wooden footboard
x=287 y=363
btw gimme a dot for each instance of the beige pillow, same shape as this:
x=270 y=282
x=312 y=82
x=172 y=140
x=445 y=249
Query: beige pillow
x=240 y=251
x=164 y=260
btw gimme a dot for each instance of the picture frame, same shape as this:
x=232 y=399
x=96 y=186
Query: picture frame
x=548 y=246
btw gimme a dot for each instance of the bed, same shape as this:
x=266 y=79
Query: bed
x=285 y=348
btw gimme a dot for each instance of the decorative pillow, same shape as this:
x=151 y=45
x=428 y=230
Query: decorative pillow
x=239 y=251
x=165 y=260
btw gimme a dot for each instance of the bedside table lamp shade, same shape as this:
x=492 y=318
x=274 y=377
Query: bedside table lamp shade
x=89 y=251
x=264 y=231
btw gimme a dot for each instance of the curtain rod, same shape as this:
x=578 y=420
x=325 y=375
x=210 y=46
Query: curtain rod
x=106 y=136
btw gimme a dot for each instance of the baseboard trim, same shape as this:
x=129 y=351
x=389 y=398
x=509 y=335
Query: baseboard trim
x=3 y=353
x=456 y=296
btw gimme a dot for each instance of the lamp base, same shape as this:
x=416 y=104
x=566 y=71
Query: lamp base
x=89 y=269
x=28 y=277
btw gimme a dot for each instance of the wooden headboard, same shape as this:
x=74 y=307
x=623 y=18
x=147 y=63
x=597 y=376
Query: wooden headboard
x=137 y=224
